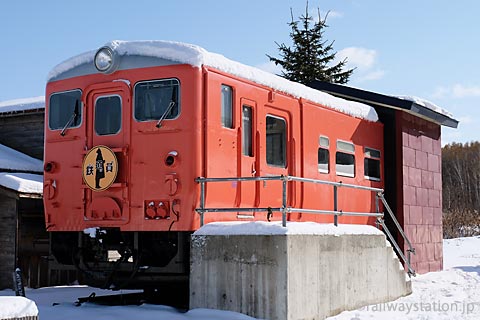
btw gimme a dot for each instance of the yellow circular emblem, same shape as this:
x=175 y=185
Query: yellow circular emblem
x=100 y=168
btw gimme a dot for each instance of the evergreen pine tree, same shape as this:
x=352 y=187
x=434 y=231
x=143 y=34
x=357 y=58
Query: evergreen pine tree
x=311 y=56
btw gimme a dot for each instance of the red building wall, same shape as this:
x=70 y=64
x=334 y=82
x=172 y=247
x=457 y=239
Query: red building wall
x=420 y=186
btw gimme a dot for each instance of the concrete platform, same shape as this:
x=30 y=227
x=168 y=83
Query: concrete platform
x=304 y=271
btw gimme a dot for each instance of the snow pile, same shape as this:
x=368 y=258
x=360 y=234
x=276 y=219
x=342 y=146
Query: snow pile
x=13 y=160
x=427 y=104
x=17 y=307
x=22 y=104
x=22 y=182
x=197 y=57
x=275 y=228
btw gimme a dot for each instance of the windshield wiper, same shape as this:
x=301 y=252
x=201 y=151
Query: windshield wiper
x=71 y=120
x=169 y=108
x=164 y=115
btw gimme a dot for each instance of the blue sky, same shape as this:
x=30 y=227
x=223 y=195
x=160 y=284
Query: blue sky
x=422 y=48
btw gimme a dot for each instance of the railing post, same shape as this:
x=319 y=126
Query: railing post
x=335 y=205
x=377 y=208
x=284 y=201
x=202 y=202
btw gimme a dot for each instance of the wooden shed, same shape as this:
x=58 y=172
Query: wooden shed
x=23 y=239
x=21 y=125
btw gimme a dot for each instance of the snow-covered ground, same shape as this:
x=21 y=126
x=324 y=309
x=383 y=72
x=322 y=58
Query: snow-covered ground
x=453 y=293
x=450 y=294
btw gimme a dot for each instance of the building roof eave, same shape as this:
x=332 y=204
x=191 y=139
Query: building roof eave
x=385 y=101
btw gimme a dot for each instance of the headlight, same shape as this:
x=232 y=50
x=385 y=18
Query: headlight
x=105 y=60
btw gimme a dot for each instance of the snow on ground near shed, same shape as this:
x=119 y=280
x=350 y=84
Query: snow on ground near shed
x=22 y=182
x=17 y=307
x=450 y=294
x=197 y=56
x=13 y=160
x=275 y=228
x=22 y=104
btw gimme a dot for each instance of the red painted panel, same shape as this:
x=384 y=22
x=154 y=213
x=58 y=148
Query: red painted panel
x=409 y=195
x=422 y=196
x=416 y=215
x=427 y=179
x=437 y=216
x=427 y=145
x=414 y=141
x=429 y=251
x=408 y=156
x=437 y=181
x=427 y=216
x=433 y=163
x=438 y=251
x=434 y=198
x=414 y=177
x=421 y=160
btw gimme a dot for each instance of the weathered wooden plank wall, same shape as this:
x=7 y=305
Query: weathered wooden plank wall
x=8 y=226
x=23 y=132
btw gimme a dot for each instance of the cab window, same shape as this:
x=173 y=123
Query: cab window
x=108 y=115
x=276 y=148
x=157 y=99
x=65 y=110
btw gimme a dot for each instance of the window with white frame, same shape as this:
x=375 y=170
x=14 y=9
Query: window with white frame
x=227 y=106
x=345 y=159
x=324 y=155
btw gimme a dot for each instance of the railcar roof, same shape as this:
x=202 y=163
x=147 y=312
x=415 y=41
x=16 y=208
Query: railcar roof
x=182 y=53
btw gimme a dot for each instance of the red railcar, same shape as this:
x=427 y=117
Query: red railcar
x=129 y=129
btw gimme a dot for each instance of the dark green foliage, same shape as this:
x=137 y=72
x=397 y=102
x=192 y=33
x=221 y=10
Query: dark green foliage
x=310 y=56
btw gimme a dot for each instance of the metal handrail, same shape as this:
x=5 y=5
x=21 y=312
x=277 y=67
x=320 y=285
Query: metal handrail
x=284 y=209
x=410 y=249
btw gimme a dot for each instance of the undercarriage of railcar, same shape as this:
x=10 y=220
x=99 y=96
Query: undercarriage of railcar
x=111 y=259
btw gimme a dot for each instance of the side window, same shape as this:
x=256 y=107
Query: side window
x=324 y=155
x=276 y=148
x=247 y=120
x=345 y=159
x=227 y=106
x=372 y=164
x=108 y=115
x=157 y=99
x=65 y=110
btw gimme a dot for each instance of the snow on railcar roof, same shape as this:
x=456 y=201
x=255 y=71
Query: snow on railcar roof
x=18 y=105
x=197 y=57
x=13 y=160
